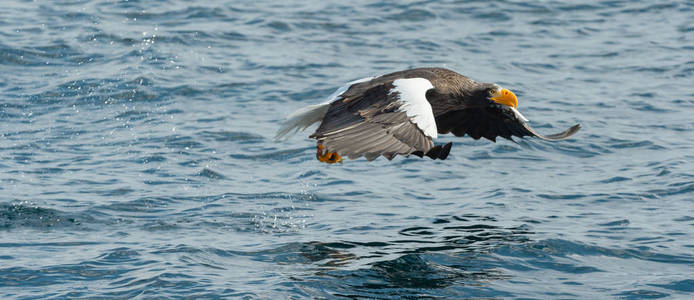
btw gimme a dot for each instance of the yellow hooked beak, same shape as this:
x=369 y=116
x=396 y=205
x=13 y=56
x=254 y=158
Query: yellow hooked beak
x=505 y=97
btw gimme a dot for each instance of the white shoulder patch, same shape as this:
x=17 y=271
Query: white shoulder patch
x=412 y=95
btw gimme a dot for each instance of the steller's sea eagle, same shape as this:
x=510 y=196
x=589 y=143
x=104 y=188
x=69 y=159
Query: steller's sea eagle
x=403 y=112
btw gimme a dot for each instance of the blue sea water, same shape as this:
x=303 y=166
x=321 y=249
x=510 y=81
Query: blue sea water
x=137 y=159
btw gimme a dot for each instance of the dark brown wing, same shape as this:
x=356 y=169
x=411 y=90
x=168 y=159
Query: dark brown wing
x=371 y=125
x=490 y=122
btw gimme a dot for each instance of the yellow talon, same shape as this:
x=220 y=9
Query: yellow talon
x=330 y=158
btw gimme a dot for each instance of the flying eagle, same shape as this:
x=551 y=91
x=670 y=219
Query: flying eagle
x=403 y=112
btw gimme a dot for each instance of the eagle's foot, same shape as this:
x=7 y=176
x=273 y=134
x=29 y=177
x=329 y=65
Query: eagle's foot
x=330 y=158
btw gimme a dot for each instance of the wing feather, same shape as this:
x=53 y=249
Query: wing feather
x=371 y=138
x=387 y=119
x=491 y=122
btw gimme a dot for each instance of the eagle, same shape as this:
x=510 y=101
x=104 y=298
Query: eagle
x=402 y=113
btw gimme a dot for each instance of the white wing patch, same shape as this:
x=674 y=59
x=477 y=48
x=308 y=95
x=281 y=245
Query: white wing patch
x=412 y=95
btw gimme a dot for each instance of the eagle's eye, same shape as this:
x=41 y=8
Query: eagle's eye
x=491 y=92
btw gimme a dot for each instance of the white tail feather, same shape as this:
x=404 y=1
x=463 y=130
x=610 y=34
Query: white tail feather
x=302 y=118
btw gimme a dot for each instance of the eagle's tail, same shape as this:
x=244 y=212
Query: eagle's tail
x=302 y=118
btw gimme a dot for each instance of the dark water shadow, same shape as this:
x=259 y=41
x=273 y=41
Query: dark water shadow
x=443 y=259
x=452 y=257
x=27 y=215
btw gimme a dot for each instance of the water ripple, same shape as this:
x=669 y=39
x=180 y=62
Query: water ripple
x=135 y=153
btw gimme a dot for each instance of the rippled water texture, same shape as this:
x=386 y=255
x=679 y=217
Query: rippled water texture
x=136 y=152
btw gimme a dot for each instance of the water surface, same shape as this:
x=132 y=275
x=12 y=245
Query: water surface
x=137 y=159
